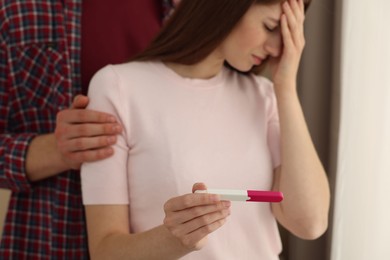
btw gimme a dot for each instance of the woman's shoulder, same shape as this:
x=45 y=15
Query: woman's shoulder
x=262 y=80
x=264 y=85
x=122 y=72
x=132 y=67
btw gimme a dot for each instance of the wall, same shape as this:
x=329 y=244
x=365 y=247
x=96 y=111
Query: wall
x=361 y=212
x=4 y=197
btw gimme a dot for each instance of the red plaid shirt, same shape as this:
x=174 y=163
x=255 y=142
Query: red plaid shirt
x=39 y=75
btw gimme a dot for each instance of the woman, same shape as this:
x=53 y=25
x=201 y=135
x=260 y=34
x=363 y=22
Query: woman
x=192 y=110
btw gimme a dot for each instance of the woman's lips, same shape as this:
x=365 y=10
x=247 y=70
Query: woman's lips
x=257 y=60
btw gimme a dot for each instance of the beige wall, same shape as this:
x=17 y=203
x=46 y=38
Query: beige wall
x=4 y=197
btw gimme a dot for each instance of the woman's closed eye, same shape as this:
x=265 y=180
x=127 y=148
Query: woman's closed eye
x=271 y=28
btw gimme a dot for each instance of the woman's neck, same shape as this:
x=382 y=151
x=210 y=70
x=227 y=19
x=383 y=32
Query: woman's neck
x=206 y=69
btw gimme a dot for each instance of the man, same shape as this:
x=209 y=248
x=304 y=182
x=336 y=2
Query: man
x=49 y=50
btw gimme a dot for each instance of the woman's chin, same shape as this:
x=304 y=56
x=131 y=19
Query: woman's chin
x=244 y=68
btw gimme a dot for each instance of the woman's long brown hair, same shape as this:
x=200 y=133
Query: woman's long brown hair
x=196 y=29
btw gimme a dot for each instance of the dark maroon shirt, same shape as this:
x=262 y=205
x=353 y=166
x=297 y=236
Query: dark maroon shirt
x=111 y=35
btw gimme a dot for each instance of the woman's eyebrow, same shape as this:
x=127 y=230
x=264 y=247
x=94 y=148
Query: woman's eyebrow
x=274 y=20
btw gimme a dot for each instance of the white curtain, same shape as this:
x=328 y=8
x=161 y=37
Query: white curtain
x=361 y=221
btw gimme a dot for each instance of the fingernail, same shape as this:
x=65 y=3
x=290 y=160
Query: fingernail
x=215 y=197
x=111 y=119
x=226 y=203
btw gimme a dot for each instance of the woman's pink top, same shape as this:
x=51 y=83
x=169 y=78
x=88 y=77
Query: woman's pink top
x=222 y=131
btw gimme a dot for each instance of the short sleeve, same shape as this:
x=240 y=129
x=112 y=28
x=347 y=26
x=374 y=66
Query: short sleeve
x=273 y=125
x=105 y=182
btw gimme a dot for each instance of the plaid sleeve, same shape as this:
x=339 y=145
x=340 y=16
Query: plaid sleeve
x=13 y=148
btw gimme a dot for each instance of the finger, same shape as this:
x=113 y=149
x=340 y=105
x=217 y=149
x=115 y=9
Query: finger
x=201 y=221
x=90 y=155
x=64 y=132
x=295 y=28
x=189 y=201
x=302 y=5
x=186 y=215
x=91 y=143
x=199 y=234
x=80 y=101
x=297 y=10
x=198 y=186
x=292 y=21
x=90 y=130
x=77 y=116
x=287 y=38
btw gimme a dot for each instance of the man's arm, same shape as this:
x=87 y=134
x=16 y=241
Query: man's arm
x=80 y=136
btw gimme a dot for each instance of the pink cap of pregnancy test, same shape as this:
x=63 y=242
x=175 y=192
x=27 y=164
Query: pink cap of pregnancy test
x=265 y=196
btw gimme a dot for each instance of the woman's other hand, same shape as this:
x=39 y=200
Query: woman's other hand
x=191 y=217
x=285 y=67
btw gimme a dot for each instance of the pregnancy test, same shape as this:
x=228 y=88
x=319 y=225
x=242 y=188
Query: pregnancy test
x=246 y=195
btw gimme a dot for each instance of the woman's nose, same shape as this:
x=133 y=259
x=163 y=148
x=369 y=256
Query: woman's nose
x=274 y=45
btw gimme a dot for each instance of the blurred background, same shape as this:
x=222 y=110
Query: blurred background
x=344 y=86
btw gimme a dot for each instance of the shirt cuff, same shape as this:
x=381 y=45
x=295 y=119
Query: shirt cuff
x=15 y=163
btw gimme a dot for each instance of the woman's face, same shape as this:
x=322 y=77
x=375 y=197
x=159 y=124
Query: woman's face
x=254 y=38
